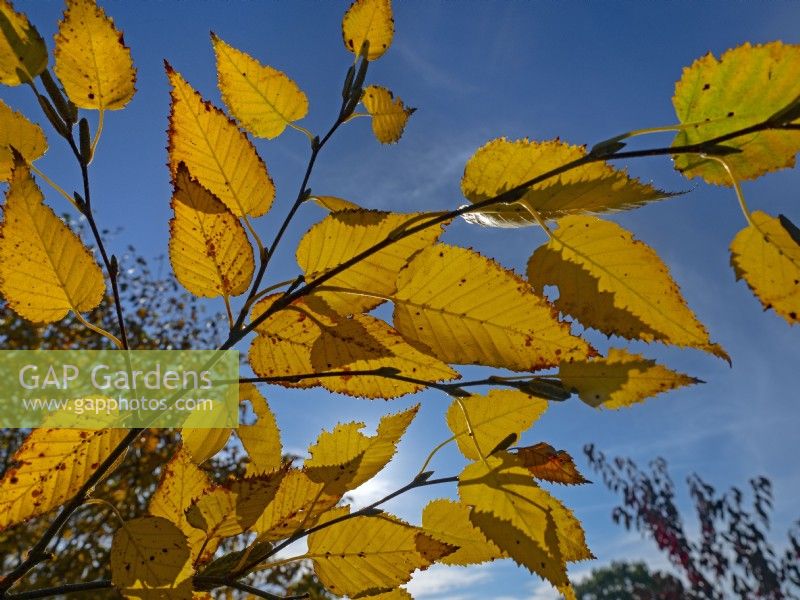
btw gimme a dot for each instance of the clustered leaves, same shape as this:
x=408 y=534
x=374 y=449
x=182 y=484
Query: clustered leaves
x=451 y=306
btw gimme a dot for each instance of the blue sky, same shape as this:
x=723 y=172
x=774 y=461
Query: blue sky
x=479 y=70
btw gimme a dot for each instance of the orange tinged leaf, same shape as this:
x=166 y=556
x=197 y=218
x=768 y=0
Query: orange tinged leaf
x=547 y=463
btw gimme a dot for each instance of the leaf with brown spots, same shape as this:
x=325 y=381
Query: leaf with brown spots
x=369 y=21
x=49 y=469
x=545 y=462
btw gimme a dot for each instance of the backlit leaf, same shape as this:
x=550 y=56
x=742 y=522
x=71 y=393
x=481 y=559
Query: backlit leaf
x=343 y=235
x=181 y=483
x=744 y=87
x=263 y=99
x=204 y=443
x=766 y=256
x=216 y=152
x=469 y=310
x=490 y=419
x=233 y=508
x=398 y=594
x=620 y=380
x=525 y=521
x=389 y=115
x=368 y=21
x=547 y=463
x=366 y=555
x=298 y=501
x=262 y=439
x=448 y=522
x=503 y=164
x=19 y=133
x=22 y=50
x=45 y=270
x=92 y=60
x=208 y=246
x=334 y=203
x=610 y=281
x=50 y=467
x=150 y=553
x=346 y=443
x=308 y=338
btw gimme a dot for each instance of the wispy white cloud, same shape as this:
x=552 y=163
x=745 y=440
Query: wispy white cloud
x=448 y=583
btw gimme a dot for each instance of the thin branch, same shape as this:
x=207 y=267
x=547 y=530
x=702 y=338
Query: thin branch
x=243 y=587
x=67 y=588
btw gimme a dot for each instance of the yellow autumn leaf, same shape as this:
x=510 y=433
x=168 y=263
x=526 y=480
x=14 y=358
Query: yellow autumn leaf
x=502 y=164
x=19 y=133
x=620 y=380
x=369 y=555
x=202 y=444
x=469 y=310
x=398 y=594
x=616 y=284
x=216 y=152
x=746 y=86
x=23 y=54
x=547 y=463
x=343 y=235
x=389 y=115
x=767 y=256
x=91 y=58
x=334 y=203
x=181 y=483
x=298 y=501
x=491 y=418
x=368 y=21
x=148 y=554
x=262 y=439
x=233 y=508
x=45 y=270
x=521 y=518
x=208 y=246
x=448 y=522
x=51 y=466
x=262 y=98
x=346 y=443
x=308 y=338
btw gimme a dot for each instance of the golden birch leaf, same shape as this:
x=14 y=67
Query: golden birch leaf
x=389 y=115
x=767 y=257
x=298 y=501
x=150 y=559
x=19 y=133
x=216 y=152
x=308 y=338
x=262 y=439
x=746 y=86
x=616 y=284
x=92 y=60
x=620 y=380
x=469 y=310
x=491 y=419
x=521 y=518
x=370 y=555
x=343 y=235
x=263 y=99
x=334 y=203
x=448 y=522
x=346 y=443
x=208 y=246
x=397 y=594
x=202 y=444
x=50 y=467
x=234 y=508
x=547 y=463
x=181 y=483
x=502 y=164
x=45 y=270
x=23 y=54
x=368 y=21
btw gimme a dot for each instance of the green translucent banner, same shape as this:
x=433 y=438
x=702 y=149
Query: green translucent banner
x=98 y=389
